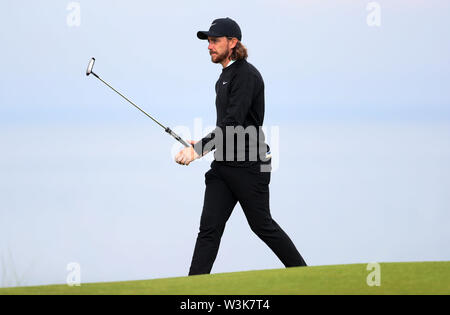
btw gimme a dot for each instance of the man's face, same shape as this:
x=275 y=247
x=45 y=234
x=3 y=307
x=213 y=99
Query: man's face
x=220 y=48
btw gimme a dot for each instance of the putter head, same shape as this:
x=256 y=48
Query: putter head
x=90 y=66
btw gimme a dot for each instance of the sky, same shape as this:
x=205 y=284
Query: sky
x=358 y=117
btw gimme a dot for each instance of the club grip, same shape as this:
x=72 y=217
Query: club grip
x=177 y=137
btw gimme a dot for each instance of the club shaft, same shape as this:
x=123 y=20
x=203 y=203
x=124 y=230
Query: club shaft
x=129 y=101
x=167 y=129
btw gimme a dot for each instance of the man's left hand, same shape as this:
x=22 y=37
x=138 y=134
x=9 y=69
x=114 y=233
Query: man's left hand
x=187 y=155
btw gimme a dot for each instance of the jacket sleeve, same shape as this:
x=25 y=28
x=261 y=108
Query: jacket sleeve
x=240 y=96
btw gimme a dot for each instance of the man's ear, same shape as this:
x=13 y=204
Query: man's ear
x=234 y=41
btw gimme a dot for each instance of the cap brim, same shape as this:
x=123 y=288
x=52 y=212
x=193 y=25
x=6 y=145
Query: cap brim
x=205 y=34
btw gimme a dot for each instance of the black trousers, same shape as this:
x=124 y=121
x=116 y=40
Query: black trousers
x=225 y=186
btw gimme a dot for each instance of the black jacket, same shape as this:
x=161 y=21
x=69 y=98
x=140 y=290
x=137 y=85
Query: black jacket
x=240 y=107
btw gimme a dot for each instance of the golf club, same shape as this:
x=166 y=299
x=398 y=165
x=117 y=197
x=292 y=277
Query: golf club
x=167 y=129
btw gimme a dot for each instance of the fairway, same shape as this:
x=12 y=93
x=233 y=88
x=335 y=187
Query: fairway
x=395 y=278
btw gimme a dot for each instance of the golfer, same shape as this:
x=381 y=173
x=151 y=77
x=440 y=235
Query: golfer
x=241 y=168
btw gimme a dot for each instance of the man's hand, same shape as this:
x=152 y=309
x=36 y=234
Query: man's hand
x=187 y=155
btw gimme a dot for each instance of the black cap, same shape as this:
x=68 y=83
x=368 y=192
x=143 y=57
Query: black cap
x=222 y=27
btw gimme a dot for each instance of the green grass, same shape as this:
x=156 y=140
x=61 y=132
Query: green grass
x=396 y=278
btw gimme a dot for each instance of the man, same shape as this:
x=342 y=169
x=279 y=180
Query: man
x=237 y=173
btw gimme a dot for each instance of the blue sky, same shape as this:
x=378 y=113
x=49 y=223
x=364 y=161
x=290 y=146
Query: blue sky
x=319 y=59
x=362 y=115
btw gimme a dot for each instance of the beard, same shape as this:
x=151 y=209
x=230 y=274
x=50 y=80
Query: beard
x=218 y=58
